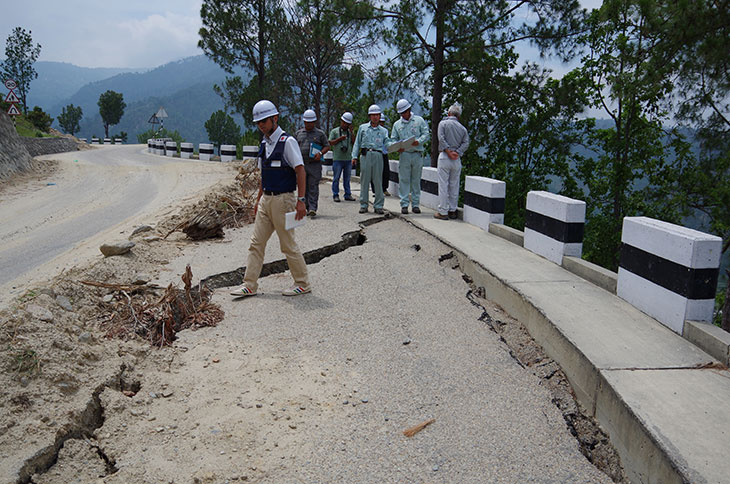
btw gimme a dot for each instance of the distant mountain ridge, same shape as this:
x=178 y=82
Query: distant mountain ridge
x=184 y=87
x=60 y=80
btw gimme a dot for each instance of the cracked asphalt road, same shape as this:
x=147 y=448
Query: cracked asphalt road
x=319 y=387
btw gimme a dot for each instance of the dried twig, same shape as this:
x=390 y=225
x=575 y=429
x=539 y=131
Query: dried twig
x=410 y=432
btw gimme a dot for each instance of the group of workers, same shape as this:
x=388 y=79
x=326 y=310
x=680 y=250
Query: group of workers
x=292 y=164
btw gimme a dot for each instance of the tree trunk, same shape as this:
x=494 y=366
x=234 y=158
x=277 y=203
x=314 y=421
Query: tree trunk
x=438 y=80
x=726 y=307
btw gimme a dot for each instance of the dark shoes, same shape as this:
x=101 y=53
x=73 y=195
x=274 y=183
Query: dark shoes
x=336 y=198
x=404 y=210
x=386 y=193
x=379 y=211
x=416 y=210
x=363 y=210
x=312 y=213
x=453 y=215
x=440 y=217
x=349 y=198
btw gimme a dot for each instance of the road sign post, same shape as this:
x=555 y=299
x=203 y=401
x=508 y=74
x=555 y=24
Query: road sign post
x=11 y=98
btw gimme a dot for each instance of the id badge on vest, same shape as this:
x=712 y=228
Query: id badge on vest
x=276 y=164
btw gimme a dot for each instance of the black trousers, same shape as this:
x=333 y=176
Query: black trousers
x=386 y=174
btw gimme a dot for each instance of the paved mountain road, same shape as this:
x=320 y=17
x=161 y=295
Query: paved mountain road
x=49 y=225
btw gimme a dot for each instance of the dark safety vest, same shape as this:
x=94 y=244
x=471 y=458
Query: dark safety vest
x=276 y=174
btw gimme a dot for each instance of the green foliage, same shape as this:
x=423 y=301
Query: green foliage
x=69 y=119
x=20 y=55
x=111 y=108
x=40 y=119
x=161 y=133
x=222 y=129
x=122 y=135
x=637 y=164
x=463 y=31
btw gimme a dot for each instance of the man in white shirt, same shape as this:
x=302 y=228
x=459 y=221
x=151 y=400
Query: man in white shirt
x=282 y=172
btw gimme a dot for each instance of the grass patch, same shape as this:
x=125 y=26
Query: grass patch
x=24 y=360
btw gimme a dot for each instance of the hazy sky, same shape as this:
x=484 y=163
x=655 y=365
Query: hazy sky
x=126 y=33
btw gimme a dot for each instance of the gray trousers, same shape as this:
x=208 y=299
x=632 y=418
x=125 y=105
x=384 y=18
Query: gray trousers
x=314 y=175
x=449 y=172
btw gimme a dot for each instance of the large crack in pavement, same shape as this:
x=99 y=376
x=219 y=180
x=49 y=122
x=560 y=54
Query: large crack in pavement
x=349 y=239
x=82 y=426
x=593 y=441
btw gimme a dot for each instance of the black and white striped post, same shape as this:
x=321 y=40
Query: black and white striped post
x=228 y=152
x=118 y=141
x=170 y=148
x=554 y=225
x=107 y=141
x=249 y=152
x=94 y=141
x=205 y=151
x=83 y=140
x=430 y=187
x=484 y=201
x=668 y=271
x=186 y=150
x=393 y=178
x=149 y=145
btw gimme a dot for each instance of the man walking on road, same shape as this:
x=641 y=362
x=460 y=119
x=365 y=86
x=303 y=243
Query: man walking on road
x=282 y=172
x=410 y=165
x=453 y=142
x=369 y=143
x=341 y=140
x=313 y=145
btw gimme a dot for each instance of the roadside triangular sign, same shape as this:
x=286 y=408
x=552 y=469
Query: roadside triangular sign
x=13 y=111
x=154 y=120
x=11 y=98
x=161 y=113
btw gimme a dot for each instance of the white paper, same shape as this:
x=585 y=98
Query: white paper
x=405 y=144
x=292 y=222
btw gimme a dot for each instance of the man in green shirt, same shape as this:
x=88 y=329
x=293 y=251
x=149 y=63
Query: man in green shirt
x=369 y=143
x=410 y=165
x=341 y=140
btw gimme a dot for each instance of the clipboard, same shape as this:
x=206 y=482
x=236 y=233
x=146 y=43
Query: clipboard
x=405 y=144
x=291 y=222
x=314 y=148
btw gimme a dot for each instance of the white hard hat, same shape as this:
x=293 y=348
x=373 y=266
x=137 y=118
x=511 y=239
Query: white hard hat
x=263 y=109
x=374 y=109
x=402 y=106
x=309 y=116
x=347 y=117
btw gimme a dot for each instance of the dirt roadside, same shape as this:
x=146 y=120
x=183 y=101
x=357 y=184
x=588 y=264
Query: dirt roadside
x=66 y=387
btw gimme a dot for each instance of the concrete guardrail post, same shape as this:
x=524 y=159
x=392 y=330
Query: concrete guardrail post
x=554 y=225
x=327 y=168
x=186 y=150
x=667 y=271
x=107 y=141
x=228 y=152
x=118 y=141
x=393 y=177
x=484 y=201
x=149 y=145
x=170 y=148
x=94 y=141
x=205 y=151
x=430 y=187
x=83 y=140
x=250 y=152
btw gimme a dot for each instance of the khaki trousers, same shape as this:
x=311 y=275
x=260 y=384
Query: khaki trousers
x=271 y=216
